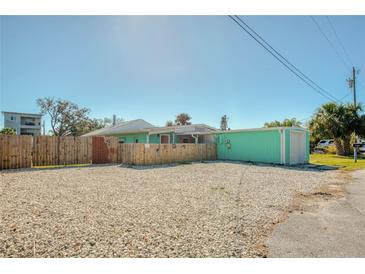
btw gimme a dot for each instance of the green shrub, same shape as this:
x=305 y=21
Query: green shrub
x=330 y=150
x=7 y=131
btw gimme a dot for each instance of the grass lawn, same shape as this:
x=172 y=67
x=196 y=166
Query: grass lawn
x=344 y=162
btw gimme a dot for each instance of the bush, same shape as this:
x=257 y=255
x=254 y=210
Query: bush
x=7 y=131
x=330 y=150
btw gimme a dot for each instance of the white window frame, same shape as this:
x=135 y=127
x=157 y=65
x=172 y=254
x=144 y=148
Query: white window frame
x=168 y=138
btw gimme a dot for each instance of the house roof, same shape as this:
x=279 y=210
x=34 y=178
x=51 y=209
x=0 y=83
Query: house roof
x=138 y=125
x=141 y=126
x=183 y=129
x=22 y=113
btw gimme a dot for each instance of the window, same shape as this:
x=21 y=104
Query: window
x=185 y=140
x=12 y=118
x=136 y=140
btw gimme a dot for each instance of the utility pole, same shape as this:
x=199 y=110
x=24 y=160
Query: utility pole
x=352 y=84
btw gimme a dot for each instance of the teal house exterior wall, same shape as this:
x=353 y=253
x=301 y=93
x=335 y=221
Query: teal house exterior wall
x=155 y=138
x=131 y=138
x=142 y=138
x=255 y=146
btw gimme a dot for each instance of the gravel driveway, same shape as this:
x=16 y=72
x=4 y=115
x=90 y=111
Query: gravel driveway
x=196 y=210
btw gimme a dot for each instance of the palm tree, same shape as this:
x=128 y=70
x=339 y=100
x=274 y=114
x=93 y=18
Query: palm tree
x=338 y=122
x=352 y=124
x=327 y=122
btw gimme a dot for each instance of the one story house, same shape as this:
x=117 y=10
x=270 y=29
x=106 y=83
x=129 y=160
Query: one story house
x=279 y=145
x=140 y=131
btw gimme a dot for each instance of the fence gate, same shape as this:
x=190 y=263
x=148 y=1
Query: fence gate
x=100 y=152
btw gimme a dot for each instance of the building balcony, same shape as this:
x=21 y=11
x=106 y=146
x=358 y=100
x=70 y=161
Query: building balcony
x=30 y=126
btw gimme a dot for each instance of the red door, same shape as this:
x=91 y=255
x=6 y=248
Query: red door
x=164 y=139
x=99 y=151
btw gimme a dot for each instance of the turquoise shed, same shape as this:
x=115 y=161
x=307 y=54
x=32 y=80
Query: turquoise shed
x=280 y=145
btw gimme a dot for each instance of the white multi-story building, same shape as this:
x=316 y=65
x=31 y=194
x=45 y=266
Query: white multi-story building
x=23 y=123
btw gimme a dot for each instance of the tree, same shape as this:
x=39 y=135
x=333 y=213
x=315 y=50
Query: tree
x=337 y=122
x=169 y=123
x=224 y=122
x=87 y=126
x=293 y=122
x=66 y=117
x=109 y=122
x=326 y=123
x=352 y=123
x=7 y=131
x=182 y=119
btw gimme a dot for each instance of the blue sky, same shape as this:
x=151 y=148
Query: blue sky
x=154 y=67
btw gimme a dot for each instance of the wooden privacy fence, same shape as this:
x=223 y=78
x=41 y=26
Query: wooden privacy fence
x=155 y=154
x=28 y=151
x=15 y=151
x=54 y=150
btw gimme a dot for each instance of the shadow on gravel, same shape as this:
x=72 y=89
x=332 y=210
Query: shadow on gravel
x=43 y=168
x=302 y=167
x=145 y=167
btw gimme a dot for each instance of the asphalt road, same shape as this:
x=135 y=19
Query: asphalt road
x=335 y=229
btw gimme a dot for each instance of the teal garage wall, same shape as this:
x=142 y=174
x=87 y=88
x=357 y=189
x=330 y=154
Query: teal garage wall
x=308 y=145
x=256 y=146
x=288 y=140
x=287 y=145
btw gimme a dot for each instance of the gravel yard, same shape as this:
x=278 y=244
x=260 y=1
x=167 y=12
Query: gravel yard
x=196 y=210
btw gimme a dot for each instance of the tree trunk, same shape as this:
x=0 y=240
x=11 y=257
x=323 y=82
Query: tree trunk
x=346 y=146
x=339 y=147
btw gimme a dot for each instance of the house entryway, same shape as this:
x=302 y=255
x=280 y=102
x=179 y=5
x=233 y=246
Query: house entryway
x=164 y=139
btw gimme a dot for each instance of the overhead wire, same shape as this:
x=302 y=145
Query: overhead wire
x=284 y=61
x=339 y=40
x=329 y=42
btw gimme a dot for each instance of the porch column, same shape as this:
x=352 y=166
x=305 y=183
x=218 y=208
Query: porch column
x=148 y=138
x=195 y=138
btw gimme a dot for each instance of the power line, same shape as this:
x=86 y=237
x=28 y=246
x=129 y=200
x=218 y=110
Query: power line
x=285 y=59
x=339 y=40
x=329 y=42
x=348 y=93
x=291 y=67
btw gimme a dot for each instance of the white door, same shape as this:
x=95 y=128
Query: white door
x=297 y=147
